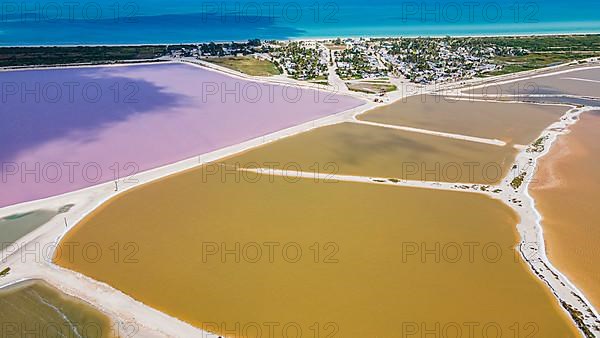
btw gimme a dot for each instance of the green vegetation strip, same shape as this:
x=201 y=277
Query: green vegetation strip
x=247 y=65
x=544 y=50
x=550 y=43
x=538 y=145
x=578 y=318
x=513 y=64
x=371 y=87
x=28 y=56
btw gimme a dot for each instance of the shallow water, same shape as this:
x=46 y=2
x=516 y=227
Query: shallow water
x=36 y=309
x=16 y=226
x=242 y=257
x=354 y=149
x=584 y=82
x=561 y=99
x=566 y=193
x=79 y=127
x=509 y=122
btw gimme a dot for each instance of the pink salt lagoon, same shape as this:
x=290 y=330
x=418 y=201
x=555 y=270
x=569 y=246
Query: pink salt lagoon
x=66 y=129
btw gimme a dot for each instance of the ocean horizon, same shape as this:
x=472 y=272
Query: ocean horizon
x=107 y=22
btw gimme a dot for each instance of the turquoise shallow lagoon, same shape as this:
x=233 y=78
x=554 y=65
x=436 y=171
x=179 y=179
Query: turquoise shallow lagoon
x=48 y=22
x=16 y=226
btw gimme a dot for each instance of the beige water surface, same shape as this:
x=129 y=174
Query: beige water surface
x=566 y=191
x=268 y=258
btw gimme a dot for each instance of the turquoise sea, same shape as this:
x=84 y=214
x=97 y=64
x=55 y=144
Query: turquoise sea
x=68 y=22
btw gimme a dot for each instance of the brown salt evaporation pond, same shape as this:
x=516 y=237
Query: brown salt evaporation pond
x=362 y=150
x=566 y=193
x=515 y=123
x=250 y=257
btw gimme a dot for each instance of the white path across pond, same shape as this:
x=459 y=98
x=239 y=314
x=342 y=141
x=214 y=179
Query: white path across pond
x=435 y=133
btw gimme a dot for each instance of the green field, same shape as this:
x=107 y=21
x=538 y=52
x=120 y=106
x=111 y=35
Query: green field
x=371 y=87
x=247 y=65
x=550 y=43
x=544 y=51
x=513 y=64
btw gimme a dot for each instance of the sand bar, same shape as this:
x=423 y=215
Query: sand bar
x=565 y=189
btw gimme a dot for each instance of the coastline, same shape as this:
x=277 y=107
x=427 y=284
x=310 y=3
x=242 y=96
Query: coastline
x=308 y=38
x=88 y=203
